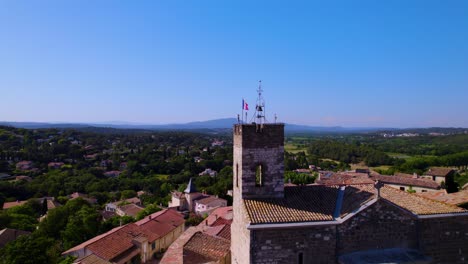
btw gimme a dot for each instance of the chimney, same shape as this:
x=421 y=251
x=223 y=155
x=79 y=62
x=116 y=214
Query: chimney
x=415 y=175
x=378 y=185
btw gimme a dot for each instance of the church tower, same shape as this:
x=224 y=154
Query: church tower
x=258 y=172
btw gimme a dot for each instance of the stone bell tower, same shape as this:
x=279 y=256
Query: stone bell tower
x=258 y=161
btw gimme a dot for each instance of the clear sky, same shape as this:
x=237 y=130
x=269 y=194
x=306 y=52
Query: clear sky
x=349 y=63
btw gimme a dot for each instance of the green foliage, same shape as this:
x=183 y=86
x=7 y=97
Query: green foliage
x=193 y=220
x=30 y=249
x=299 y=178
x=152 y=208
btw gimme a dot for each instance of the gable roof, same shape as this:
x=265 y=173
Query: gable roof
x=409 y=181
x=438 y=171
x=8 y=205
x=317 y=203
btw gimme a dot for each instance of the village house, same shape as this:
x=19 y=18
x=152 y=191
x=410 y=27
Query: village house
x=187 y=200
x=132 y=243
x=55 y=165
x=209 y=172
x=206 y=205
x=83 y=196
x=408 y=182
x=329 y=223
x=440 y=174
x=129 y=210
x=112 y=174
x=112 y=207
x=24 y=165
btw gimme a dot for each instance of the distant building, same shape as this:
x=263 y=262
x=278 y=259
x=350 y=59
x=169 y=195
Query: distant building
x=193 y=201
x=440 y=174
x=55 y=165
x=24 y=165
x=112 y=174
x=209 y=172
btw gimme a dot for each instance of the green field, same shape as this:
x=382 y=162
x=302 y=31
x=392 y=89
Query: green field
x=293 y=148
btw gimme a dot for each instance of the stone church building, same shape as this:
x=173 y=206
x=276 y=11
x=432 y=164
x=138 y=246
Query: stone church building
x=363 y=223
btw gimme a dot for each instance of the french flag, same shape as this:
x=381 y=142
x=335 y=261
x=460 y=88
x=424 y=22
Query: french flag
x=245 y=106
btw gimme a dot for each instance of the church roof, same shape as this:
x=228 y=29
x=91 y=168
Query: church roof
x=327 y=203
x=190 y=187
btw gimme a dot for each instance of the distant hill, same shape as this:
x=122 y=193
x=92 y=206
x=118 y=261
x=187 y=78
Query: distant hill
x=219 y=124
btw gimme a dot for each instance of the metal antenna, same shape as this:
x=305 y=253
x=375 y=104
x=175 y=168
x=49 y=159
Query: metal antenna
x=259 y=114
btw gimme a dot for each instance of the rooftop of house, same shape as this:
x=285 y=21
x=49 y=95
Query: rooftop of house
x=9 y=234
x=8 y=205
x=327 y=203
x=91 y=259
x=457 y=198
x=409 y=181
x=438 y=171
x=345 y=178
x=210 y=247
x=131 y=209
x=208 y=200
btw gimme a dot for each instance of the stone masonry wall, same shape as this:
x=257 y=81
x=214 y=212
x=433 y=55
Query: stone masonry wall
x=382 y=225
x=317 y=244
x=445 y=239
x=259 y=145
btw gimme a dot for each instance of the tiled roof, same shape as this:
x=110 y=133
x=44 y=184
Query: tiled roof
x=438 y=171
x=416 y=204
x=9 y=234
x=131 y=209
x=217 y=224
x=109 y=247
x=208 y=200
x=322 y=203
x=208 y=246
x=415 y=182
x=457 y=198
x=13 y=204
x=305 y=204
x=91 y=259
x=346 y=178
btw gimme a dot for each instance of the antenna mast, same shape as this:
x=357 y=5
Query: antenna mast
x=260 y=106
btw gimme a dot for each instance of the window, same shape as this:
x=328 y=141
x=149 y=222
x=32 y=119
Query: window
x=237 y=175
x=153 y=246
x=424 y=191
x=402 y=188
x=259 y=175
x=300 y=258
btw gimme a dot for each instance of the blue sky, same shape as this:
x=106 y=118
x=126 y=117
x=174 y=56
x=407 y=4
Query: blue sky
x=348 y=63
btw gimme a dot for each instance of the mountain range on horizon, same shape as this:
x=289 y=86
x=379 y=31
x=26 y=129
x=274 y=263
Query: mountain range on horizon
x=222 y=123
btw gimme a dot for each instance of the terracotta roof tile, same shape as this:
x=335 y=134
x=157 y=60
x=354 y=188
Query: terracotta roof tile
x=415 y=182
x=438 y=171
x=91 y=259
x=211 y=247
x=111 y=246
x=416 y=204
x=318 y=203
x=457 y=198
x=305 y=204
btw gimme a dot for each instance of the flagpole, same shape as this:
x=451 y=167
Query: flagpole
x=243 y=110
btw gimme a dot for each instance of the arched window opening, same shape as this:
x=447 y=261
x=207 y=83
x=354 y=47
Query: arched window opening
x=237 y=175
x=259 y=175
x=300 y=258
